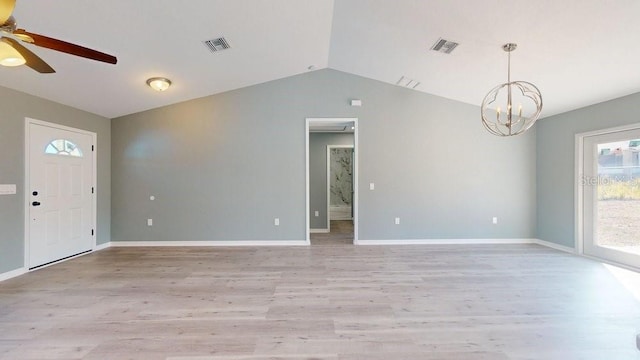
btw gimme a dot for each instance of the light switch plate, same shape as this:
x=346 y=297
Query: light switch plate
x=8 y=189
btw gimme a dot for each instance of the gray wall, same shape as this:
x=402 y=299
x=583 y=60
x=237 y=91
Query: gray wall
x=556 y=162
x=15 y=107
x=224 y=166
x=318 y=173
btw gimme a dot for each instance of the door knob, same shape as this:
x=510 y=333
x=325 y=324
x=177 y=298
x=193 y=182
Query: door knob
x=35 y=203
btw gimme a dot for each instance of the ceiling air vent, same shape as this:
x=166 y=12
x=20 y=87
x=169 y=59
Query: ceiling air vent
x=406 y=82
x=444 y=46
x=218 y=44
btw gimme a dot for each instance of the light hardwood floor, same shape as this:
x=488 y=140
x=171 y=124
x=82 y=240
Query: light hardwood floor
x=484 y=302
x=341 y=233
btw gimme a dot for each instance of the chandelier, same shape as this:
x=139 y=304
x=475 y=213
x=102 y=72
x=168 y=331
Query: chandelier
x=500 y=116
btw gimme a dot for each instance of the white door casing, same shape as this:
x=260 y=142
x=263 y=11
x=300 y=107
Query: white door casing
x=59 y=192
x=588 y=180
x=308 y=122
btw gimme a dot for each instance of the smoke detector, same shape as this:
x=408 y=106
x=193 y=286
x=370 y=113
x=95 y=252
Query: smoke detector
x=444 y=46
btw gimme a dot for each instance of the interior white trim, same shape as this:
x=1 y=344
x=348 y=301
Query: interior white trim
x=307 y=215
x=578 y=193
x=579 y=188
x=610 y=262
x=555 y=246
x=579 y=170
x=360 y=242
x=24 y=270
x=445 y=241
x=209 y=243
x=102 y=246
x=319 y=231
x=355 y=174
x=13 y=273
x=27 y=179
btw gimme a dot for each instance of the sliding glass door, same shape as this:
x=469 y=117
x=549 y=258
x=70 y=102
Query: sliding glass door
x=611 y=196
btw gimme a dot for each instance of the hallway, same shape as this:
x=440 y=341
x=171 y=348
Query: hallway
x=341 y=234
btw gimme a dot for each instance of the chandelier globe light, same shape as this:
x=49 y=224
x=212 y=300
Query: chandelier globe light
x=511 y=108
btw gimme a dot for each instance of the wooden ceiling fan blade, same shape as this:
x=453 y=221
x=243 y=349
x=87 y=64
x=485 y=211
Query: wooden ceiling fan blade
x=6 y=9
x=32 y=60
x=66 y=47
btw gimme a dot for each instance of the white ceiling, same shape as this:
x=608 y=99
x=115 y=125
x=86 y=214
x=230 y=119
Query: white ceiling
x=578 y=52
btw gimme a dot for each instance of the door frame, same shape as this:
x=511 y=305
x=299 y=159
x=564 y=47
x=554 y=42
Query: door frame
x=580 y=188
x=308 y=121
x=329 y=147
x=27 y=182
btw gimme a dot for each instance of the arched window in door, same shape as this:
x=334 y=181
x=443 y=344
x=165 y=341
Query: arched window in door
x=63 y=147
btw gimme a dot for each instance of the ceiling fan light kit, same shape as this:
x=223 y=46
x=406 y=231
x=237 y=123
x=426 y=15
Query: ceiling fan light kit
x=10 y=35
x=499 y=116
x=10 y=56
x=159 y=83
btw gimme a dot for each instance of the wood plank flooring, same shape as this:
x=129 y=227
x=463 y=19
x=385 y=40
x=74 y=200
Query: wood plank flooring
x=341 y=233
x=342 y=302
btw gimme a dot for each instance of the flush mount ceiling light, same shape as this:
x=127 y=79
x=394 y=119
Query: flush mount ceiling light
x=498 y=114
x=159 y=83
x=10 y=56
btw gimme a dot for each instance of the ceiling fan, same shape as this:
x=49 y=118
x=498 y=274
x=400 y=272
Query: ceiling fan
x=12 y=53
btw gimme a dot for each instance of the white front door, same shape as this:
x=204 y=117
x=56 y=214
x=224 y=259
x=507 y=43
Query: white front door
x=611 y=196
x=60 y=189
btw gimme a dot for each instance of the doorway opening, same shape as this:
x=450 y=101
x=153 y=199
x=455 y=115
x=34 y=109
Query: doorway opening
x=609 y=195
x=331 y=181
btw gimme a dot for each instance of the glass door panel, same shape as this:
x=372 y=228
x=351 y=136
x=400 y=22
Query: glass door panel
x=611 y=190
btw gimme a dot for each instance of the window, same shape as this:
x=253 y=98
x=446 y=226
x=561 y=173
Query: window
x=63 y=147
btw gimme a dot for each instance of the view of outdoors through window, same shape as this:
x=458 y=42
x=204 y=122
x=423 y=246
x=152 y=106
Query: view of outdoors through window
x=618 y=208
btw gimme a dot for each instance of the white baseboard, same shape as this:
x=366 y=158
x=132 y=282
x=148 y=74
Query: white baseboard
x=444 y=241
x=13 y=273
x=210 y=243
x=102 y=246
x=357 y=242
x=316 y=231
x=555 y=246
x=21 y=271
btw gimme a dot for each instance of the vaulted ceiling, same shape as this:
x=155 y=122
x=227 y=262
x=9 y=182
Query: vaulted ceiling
x=578 y=52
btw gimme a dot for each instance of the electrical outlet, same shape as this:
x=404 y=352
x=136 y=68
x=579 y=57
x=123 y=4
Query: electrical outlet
x=149 y=222
x=372 y=186
x=317 y=213
x=397 y=221
x=495 y=220
x=8 y=189
x=276 y=222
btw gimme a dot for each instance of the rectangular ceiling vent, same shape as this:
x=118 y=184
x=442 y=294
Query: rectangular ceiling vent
x=409 y=83
x=218 y=44
x=444 y=46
